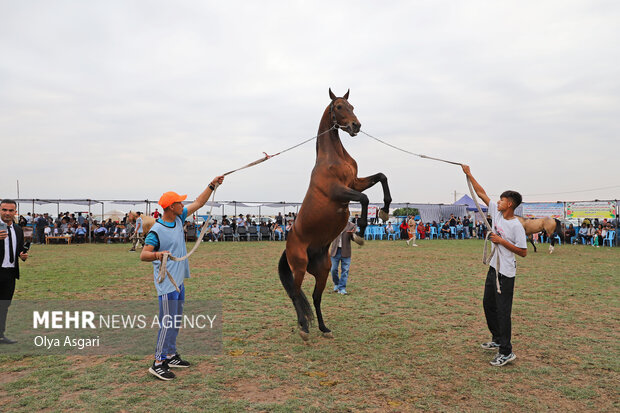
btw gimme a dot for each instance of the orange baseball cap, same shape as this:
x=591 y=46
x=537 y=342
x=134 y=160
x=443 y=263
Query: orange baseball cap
x=170 y=198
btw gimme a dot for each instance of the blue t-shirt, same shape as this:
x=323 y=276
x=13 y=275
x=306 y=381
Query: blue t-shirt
x=151 y=238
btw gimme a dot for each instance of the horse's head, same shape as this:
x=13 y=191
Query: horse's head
x=341 y=112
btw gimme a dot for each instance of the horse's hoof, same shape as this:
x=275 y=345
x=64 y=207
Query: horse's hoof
x=384 y=215
x=328 y=335
x=304 y=336
x=358 y=240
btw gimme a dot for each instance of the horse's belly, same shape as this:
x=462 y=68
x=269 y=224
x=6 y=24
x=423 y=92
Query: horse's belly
x=320 y=226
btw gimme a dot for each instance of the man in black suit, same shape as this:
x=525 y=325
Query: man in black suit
x=11 y=247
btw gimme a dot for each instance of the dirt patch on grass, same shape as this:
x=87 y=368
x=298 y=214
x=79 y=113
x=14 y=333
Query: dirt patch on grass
x=250 y=390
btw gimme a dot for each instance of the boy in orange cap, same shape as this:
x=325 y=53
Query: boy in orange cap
x=167 y=236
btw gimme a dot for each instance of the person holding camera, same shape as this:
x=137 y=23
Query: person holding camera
x=11 y=247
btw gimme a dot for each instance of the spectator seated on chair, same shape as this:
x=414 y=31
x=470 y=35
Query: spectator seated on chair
x=80 y=234
x=591 y=233
x=459 y=229
x=583 y=233
x=124 y=234
x=214 y=232
x=100 y=233
x=569 y=233
x=421 y=230
x=276 y=229
x=389 y=228
x=445 y=230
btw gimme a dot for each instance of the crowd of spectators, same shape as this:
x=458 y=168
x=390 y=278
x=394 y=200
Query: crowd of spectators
x=590 y=232
x=76 y=228
x=451 y=228
x=246 y=228
x=82 y=227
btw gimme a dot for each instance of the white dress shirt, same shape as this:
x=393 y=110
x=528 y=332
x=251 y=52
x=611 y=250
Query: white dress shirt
x=5 y=262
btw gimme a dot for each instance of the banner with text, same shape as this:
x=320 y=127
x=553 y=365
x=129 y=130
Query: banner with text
x=542 y=210
x=601 y=209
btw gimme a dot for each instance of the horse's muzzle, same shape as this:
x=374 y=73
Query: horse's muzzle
x=353 y=128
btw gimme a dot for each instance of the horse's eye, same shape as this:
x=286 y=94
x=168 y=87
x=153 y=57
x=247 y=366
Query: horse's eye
x=339 y=107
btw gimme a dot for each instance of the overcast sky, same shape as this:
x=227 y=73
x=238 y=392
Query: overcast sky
x=128 y=99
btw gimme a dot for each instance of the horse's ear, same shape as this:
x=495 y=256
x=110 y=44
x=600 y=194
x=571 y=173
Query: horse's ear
x=331 y=94
x=346 y=95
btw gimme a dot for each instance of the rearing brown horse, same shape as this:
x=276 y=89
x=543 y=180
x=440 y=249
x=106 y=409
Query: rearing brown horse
x=325 y=212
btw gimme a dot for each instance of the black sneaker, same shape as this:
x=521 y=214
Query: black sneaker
x=161 y=371
x=491 y=345
x=177 y=361
x=501 y=359
x=5 y=340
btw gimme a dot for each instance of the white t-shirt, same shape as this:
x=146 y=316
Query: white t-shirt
x=512 y=231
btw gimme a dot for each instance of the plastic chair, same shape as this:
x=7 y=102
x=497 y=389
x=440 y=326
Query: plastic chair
x=242 y=232
x=379 y=231
x=368 y=232
x=453 y=232
x=252 y=233
x=459 y=228
x=433 y=233
x=265 y=234
x=393 y=235
x=227 y=232
x=610 y=238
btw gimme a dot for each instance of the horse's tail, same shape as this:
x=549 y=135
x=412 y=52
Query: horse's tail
x=288 y=282
x=558 y=229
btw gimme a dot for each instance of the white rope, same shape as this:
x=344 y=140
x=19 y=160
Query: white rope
x=486 y=260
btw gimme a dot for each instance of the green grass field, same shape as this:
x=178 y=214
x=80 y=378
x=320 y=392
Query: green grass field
x=406 y=338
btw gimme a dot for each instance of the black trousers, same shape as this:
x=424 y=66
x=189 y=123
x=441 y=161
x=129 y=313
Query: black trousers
x=498 y=308
x=7 y=288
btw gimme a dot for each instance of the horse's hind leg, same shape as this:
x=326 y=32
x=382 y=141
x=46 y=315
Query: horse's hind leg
x=552 y=241
x=319 y=266
x=531 y=240
x=292 y=269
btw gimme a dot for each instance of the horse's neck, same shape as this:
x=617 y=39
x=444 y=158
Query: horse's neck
x=329 y=143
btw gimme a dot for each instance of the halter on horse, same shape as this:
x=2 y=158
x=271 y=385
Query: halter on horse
x=325 y=212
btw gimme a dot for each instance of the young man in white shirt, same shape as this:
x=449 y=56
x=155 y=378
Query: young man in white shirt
x=509 y=239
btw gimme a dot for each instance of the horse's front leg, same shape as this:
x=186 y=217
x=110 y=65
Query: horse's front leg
x=362 y=184
x=343 y=193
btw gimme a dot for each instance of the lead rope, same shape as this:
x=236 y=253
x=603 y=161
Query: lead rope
x=163 y=270
x=486 y=259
